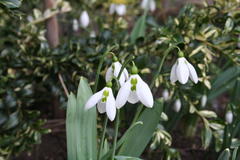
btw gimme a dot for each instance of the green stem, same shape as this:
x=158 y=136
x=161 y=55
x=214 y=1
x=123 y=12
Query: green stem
x=115 y=135
x=102 y=138
x=140 y=108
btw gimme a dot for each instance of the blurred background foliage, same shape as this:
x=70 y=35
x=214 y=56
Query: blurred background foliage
x=30 y=88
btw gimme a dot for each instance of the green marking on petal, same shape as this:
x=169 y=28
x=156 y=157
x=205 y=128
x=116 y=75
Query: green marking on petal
x=105 y=93
x=134 y=81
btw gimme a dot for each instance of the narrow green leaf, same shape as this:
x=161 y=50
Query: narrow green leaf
x=126 y=158
x=206 y=137
x=234 y=155
x=81 y=125
x=11 y=3
x=224 y=81
x=140 y=136
x=70 y=126
x=225 y=155
x=86 y=124
x=139 y=28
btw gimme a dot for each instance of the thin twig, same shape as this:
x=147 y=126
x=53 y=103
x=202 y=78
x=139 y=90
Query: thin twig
x=63 y=84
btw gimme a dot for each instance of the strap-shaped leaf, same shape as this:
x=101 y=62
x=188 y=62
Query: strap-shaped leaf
x=81 y=125
x=140 y=136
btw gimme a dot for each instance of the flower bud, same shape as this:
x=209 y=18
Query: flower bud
x=75 y=25
x=203 y=101
x=229 y=117
x=165 y=94
x=177 y=105
x=84 y=19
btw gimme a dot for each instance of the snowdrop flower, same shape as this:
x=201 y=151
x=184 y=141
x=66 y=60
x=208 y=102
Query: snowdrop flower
x=30 y=18
x=182 y=70
x=75 y=25
x=120 y=9
x=134 y=90
x=177 y=105
x=105 y=102
x=114 y=70
x=203 y=100
x=84 y=19
x=229 y=117
x=165 y=94
x=148 y=5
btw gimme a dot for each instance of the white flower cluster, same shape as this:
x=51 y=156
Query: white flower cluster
x=133 y=89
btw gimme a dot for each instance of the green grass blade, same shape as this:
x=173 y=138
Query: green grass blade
x=140 y=136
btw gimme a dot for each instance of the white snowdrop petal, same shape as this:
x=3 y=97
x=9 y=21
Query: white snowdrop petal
x=101 y=107
x=182 y=71
x=144 y=4
x=193 y=73
x=165 y=94
x=75 y=25
x=229 y=117
x=120 y=9
x=94 y=99
x=144 y=93
x=173 y=76
x=177 y=105
x=133 y=98
x=112 y=8
x=123 y=94
x=117 y=68
x=111 y=106
x=126 y=75
x=203 y=101
x=84 y=19
x=109 y=74
x=152 y=6
x=122 y=80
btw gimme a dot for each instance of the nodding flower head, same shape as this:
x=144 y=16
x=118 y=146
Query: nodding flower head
x=84 y=19
x=148 y=5
x=134 y=90
x=114 y=70
x=177 y=105
x=182 y=70
x=120 y=9
x=105 y=102
x=229 y=117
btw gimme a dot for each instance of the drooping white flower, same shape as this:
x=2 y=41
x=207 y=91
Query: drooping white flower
x=105 y=102
x=114 y=70
x=165 y=94
x=75 y=25
x=134 y=90
x=84 y=19
x=182 y=70
x=120 y=9
x=177 y=105
x=148 y=5
x=203 y=100
x=229 y=117
x=30 y=18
